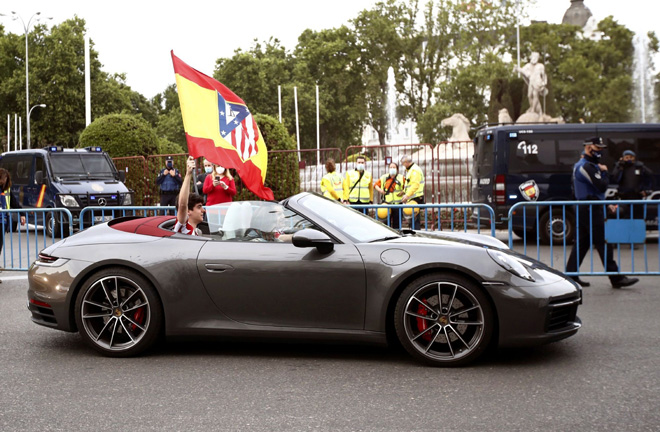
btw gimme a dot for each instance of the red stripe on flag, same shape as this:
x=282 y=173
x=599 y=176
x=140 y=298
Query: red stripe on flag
x=203 y=80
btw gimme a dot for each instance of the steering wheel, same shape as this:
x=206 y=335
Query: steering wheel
x=253 y=233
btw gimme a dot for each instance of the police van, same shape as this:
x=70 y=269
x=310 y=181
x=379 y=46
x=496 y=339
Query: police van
x=507 y=158
x=55 y=177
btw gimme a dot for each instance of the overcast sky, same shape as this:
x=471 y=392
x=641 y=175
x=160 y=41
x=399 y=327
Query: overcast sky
x=135 y=37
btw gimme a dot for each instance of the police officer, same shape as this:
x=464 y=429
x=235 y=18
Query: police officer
x=414 y=186
x=169 y=181
x=358 y=184
x=634 y=180
x=332 y=184
x=590 y=180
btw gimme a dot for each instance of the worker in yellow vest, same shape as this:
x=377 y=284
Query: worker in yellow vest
x=358 y=184
x=390 y=187
x=332 y=183
x=414 y=187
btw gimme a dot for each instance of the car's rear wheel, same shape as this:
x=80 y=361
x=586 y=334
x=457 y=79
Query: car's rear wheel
x=118 y=312
x=444 y=319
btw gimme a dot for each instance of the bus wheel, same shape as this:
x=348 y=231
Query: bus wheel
x=557 y=227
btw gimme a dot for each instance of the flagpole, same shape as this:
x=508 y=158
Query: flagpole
x=295 y=99
x=88 y=86
x=318 y=134
x=279 y=100
x=20 y=133
x=8 y=132
x=15 y=131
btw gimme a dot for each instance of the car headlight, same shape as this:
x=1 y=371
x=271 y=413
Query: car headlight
x=68 y=201
x=510 y=263
x=128 y=199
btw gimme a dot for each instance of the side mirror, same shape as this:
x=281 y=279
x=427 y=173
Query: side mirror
x=122 y=176
x=313 y=238
x=39 y=177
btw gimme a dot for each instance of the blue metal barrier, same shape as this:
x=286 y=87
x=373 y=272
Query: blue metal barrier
x=454 y=216
x=89 y=216
x=626 y=224
x=21 y=243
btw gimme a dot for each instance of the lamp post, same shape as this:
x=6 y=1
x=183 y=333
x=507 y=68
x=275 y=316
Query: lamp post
x=26 y=29
x=28 y=120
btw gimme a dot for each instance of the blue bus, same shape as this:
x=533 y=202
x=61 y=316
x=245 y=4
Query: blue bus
x=507 y=156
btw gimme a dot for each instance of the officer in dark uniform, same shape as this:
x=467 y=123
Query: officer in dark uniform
x=169 y=180
x=635 y=180
x=590 y=180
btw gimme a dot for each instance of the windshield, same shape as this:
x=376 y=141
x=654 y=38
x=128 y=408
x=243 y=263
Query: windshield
x=482 y=166
x=79 y=165
x=359 y=227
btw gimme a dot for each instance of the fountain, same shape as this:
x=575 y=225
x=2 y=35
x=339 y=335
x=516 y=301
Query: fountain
x=643 y=96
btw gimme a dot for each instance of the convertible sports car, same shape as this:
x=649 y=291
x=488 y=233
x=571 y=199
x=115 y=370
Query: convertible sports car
x=306 y=268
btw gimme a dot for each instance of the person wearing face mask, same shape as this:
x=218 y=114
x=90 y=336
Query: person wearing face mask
x=169 y=180
x=635 y=181
x=358 y=184
x=219 y=186
x=590 y=181
x=199 y=183
x=390 y=187
x=8 y=201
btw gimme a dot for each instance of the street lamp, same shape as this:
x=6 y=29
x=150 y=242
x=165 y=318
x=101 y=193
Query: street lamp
x=26 y=28
x=28 y=120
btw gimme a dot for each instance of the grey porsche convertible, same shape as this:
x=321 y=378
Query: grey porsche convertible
x=305 y=268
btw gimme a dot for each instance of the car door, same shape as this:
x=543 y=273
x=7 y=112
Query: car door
x=278 y=284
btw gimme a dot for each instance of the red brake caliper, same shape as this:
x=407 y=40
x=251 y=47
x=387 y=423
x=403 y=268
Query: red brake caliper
x=421 y=322
x=138 y=317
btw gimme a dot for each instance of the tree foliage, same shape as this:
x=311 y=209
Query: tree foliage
x=121 y=135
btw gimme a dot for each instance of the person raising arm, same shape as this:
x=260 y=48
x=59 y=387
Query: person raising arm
x=190 y=211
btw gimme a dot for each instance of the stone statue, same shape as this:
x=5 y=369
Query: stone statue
x=529 y=117
x=460 y=127
x=504 y=117
x=536 y=79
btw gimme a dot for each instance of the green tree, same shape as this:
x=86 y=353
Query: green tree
x=378 y=32
x=121 y=135
x=57 y=80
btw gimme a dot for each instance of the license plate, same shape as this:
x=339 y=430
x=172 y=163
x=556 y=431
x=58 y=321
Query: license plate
x=102 y=218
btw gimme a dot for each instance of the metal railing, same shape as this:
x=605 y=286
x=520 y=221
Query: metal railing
x=431 y=217
x=624 y=234
x=21 y=244
x=89 y=216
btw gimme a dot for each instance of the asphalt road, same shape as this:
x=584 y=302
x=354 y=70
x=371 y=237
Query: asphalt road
x=605 y=378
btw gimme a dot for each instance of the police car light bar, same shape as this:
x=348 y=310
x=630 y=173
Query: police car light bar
x=94 y=149
x=55 y=148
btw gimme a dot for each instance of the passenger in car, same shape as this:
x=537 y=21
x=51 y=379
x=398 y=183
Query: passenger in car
x=190 y=211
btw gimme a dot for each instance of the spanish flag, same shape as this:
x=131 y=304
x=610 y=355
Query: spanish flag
x=220 y=127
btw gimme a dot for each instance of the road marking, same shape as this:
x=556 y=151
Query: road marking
x=19 y=277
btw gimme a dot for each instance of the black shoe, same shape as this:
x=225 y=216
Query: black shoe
x=580 y=281
x=624 y=282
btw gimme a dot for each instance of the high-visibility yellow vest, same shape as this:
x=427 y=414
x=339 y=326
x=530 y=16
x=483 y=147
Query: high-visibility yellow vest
x=414 y=178
x=360 y=193
x=332 y=181
x=392 y=188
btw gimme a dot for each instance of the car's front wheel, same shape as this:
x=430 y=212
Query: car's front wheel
x=444 y=319
x=118 y=312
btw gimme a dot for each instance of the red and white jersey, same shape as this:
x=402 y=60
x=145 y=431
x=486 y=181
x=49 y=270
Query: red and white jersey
x=184 y=229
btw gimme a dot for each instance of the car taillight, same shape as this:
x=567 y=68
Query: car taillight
x=47 y=258
x=500 y=189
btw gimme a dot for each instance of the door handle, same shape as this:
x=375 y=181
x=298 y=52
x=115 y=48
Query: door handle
x=218 y=268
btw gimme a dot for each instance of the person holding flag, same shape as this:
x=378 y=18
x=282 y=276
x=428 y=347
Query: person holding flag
x=190 y=211
x=221 y=128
